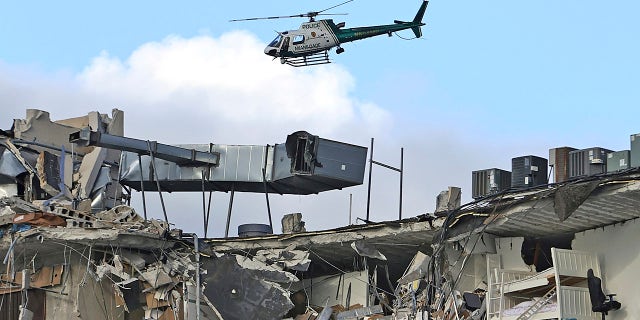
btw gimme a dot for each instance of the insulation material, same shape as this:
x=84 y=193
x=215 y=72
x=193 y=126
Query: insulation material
x=367 y=250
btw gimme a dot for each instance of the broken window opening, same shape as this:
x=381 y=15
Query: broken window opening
x=536 y=251
x=302 y=148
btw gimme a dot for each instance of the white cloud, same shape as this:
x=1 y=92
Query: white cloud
x=228 y=85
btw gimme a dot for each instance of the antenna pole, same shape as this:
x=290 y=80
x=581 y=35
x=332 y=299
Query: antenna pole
x=401 y=172
x=369 y=185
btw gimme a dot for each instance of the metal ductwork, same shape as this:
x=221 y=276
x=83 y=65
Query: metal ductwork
x=178 y=155
x=304 y=164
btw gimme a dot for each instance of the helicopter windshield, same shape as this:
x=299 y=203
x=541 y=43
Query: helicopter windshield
x=276 y=42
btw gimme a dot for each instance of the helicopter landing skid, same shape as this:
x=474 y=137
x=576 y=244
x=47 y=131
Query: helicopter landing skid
x=310 y=60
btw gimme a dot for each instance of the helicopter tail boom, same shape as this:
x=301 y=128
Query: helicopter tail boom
x=418 y=19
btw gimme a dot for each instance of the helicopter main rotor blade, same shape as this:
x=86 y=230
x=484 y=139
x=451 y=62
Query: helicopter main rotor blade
x=302 y=15
x=332 y=14
x=311 y=14
x=337 y=5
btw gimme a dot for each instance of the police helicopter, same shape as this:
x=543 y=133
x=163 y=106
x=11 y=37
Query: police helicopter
x=310 y=44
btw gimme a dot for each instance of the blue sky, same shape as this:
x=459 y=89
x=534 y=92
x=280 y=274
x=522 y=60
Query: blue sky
x=489 y=81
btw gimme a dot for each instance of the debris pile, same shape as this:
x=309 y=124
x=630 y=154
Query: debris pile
x=73 y=247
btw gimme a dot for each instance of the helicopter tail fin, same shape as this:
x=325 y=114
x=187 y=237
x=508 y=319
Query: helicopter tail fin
x=418 y=19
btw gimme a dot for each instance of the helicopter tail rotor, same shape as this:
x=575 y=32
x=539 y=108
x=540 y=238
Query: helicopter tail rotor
x=418 y=19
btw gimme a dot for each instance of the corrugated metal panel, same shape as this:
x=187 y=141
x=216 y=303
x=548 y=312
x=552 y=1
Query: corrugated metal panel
x=528 y=171
x=618 y=160
x=610 y=203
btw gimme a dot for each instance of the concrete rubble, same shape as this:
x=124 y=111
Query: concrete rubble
x=74 y=248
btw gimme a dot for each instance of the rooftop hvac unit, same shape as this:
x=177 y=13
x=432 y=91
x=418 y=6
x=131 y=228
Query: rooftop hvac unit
x=634 y=154
x=528 y=171
x=489 y=181
x=587 y=162
x=617 y=161
x=559 y=160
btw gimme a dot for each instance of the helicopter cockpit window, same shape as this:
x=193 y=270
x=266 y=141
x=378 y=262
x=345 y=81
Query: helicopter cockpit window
x=276 y=41
x=298 y=39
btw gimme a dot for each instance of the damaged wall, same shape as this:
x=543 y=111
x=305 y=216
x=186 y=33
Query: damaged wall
x=87 y=175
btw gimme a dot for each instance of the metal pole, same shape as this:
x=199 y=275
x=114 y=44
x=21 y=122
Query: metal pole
x=204 y=206
x=226 y=232
x=401 y=172
x=369 y=187
x=197 y=247
x=196 y=244
x=266 y=195
x=350 y=206
x=206 y=226
x=144 y=201
x=155 y=173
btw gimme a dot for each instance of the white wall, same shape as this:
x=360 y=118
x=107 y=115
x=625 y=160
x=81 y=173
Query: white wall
x=509 y=250
x=327 y=288
x=618 y=249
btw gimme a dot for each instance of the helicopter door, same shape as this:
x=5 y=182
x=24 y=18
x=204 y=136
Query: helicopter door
x=285 y=45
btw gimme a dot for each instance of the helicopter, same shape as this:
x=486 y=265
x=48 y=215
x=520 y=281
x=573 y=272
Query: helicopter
x=310 y=44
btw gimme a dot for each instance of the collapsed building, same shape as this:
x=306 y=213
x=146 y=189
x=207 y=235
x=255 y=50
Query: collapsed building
x=74 y=248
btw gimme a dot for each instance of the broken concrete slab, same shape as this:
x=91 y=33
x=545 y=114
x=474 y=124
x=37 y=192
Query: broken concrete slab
x=288 y=258
x=449 y=199
x=292 y=223
x=238 y=294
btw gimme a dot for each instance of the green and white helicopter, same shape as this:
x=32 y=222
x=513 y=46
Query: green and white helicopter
x=310 y=44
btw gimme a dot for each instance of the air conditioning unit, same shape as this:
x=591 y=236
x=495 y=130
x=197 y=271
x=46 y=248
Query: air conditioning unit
x=618 y=160
x=489 y=181
x=634 y=153
x=587 y=162
x=528 y=171
x=559 y=160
